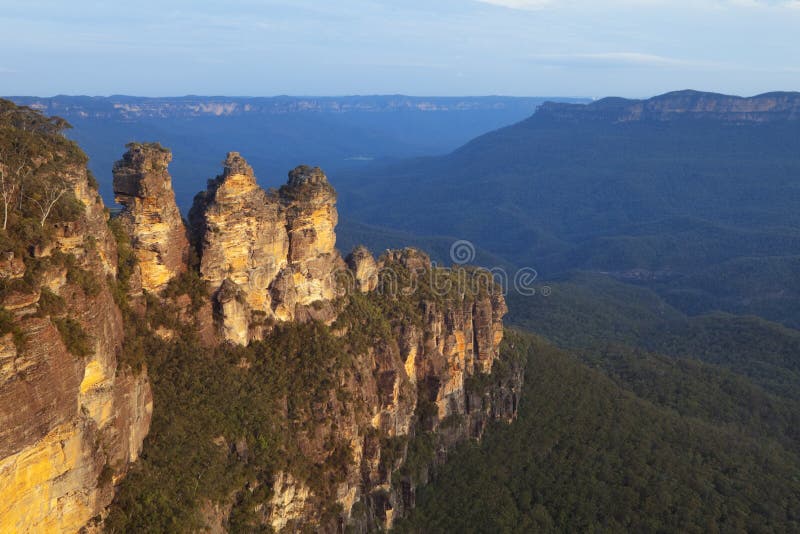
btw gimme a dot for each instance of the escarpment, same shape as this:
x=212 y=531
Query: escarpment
x=71 y=418
x=418 y=382
x=396 y=363
x=680 y=105
x=289 y=388
x=143 y=186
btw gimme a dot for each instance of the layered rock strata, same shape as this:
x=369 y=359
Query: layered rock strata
x=418 y=356
x=142 y=184
x=266 y=255
x=70 y=424
x=681 y=105
x=422 y=382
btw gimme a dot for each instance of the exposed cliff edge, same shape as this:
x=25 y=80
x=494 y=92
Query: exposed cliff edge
x=680 y=105
x=132 y=107
x=158 y=237
x=288 y=388
x=373 y=368
x=71 y=420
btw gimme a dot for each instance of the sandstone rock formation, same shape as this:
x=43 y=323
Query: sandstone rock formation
x=69 y=424
x=413 y=346
x=276 y=251
x=309 y=205
x=417 y=381
x=143 y=186
x=364 y=269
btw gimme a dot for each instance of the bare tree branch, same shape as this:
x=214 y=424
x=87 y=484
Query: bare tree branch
x=50 y=195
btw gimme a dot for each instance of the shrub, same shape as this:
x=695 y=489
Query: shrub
x=50 y=303
x=81 y=277
x=74 y=336
x=188 y=283
x=9 y=326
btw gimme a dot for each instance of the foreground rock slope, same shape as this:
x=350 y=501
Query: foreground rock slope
x=71 y=418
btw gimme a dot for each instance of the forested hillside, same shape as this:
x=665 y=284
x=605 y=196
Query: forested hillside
x=630 y=441
x=694 y=195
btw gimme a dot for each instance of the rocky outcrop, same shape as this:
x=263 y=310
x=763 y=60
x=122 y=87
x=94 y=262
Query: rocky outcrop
x=309 y=206
x=401 y=360
x=680 y=105
x=70 y=423
x=142 y=184
x=270 y=256
x=428 y=380
x=274 y=250
x=364 y=269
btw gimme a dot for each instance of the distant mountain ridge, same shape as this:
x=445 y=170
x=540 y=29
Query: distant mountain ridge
x=130 y=107
x=694 y=194
x=275 y=133
x=774 y=106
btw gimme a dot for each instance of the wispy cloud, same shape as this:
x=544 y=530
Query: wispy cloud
x=610 y=59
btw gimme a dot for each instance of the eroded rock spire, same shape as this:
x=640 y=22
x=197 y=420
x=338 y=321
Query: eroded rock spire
x=278 y=250
x=142 y=184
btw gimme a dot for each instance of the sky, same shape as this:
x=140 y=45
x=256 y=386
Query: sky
x=587 y=48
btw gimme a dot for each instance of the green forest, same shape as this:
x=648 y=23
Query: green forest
x=635 y=417
x=635 y=443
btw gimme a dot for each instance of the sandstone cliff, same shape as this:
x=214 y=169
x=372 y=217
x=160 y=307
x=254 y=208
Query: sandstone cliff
x=423 y=386
x=143 y=186
x=71 y=421
x=266 y=256
x=368 y=373
x=397 y=364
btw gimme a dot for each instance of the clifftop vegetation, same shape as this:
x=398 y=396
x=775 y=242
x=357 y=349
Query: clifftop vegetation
x=35 y=159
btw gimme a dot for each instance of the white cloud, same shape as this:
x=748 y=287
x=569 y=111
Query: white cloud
x=607 y=59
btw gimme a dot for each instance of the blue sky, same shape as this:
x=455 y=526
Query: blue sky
x=435 y=47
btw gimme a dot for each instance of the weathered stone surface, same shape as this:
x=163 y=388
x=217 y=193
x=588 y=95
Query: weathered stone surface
x=234 y=314
x=428 y=363
x=142 y=184
x=364 y=268
x=64 y=418
x=241 y=237
x=277 y=248
x=290 y=502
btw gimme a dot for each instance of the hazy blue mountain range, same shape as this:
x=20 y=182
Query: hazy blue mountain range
x=276 y=133
x=694 y=194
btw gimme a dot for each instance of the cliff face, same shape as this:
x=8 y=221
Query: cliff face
x=143 y=186
x=132 y=108
x=681 y=105
x=378 y=366
x=71 y=421
x=417 y=353
x=266 y=256
x=424 y=386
